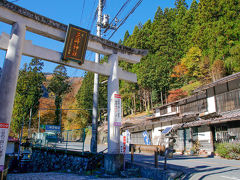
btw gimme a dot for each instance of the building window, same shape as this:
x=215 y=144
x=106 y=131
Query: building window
x=228 y=101
x=196 y=106
x=163 y=111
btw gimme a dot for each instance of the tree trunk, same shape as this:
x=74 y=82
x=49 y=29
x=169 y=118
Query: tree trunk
x=122 y=108
x=148 y=101
x=134 y=103
x=140 y=108
x=132 y=111
x=145 y=100
x=161 y=98
x=151 y=99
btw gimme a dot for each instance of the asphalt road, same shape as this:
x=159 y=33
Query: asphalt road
x=197 y=168
x=58 y=176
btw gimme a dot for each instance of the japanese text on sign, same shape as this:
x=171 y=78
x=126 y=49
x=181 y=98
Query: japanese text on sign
x=124 y=143
x=53 y=128
x=3 y=143
x=117 y=110
x=75 y=44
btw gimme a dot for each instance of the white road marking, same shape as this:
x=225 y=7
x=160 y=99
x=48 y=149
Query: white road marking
x=230 y=177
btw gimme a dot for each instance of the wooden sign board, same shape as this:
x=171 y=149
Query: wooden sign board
x=75 y=44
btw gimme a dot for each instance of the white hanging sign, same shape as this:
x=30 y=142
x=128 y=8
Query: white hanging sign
x=117 y=110
x=3 y=143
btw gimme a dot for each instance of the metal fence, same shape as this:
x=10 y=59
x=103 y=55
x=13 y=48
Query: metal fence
x=72 y=140
x=226 y=134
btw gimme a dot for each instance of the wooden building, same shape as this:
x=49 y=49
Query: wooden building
x=198 y=122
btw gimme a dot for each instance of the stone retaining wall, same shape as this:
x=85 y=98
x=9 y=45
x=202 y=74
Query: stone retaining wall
x=45 y=160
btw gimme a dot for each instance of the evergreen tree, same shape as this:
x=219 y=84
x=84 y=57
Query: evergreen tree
x=28 y=93
x=59 y=85
x=217 y=27
x=85 y=99
x=183 y=26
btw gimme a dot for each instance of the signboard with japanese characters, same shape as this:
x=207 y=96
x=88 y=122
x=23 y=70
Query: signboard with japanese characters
x=75 y=44
x=124 y=142
x=117 y=110
x=146 y=138
x=52 y=128
x=3 y=143
x=128 y=135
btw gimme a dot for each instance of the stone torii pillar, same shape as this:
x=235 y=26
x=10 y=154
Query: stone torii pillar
x=113 y=88
x=113 y=160
x=9 y=78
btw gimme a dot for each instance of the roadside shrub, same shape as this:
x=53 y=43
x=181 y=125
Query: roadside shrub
x=228 y=150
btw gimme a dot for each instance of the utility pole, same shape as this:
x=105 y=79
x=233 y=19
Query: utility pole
x=29 y=124
x=96 y=85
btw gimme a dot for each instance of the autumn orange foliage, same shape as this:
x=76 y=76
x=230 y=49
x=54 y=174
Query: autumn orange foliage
x=179 y=71
x=177 y=94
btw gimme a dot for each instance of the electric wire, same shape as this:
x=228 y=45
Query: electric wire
x=92 y=16
x=124 y=20
x=15 y=1
x=118 y=13
x=104 y=4
x=83 y=7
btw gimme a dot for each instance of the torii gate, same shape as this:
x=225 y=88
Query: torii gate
x=23 y=20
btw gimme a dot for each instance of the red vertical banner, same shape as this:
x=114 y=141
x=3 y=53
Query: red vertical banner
x=124 y=143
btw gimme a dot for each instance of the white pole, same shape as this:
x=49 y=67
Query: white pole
x=29 y=123
x=8 y=82
x=113 y=88
x=96 y=86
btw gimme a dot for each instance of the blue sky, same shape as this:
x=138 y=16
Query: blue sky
x=80 y=13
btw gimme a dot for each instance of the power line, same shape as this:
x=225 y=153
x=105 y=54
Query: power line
x=82 y=12
x=74 y=109
x=92 y=16
x=124 y=20
x=104 y=4
x=118 y=13
x=15 y=1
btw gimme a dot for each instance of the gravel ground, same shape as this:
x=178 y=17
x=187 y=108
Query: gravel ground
x=56 y=176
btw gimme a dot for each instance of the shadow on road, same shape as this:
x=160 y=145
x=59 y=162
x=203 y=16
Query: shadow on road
x=190 y=165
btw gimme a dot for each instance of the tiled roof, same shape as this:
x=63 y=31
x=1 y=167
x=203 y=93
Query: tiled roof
x=214 y=119
x=224 y=117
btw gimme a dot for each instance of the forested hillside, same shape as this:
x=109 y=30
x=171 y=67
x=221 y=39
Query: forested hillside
x=41 y=96
x=188 y=46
